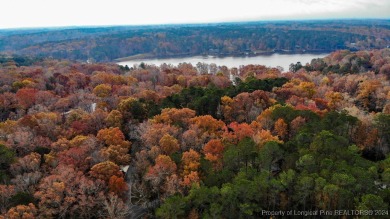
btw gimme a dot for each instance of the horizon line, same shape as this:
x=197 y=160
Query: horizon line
x=192 y=23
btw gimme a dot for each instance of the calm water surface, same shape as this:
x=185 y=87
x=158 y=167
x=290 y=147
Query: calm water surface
x=274 y=60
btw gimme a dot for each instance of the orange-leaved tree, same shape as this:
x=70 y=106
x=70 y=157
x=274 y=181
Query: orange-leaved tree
x=213 y=152
x=105 y=170
x=117 y=147
x=169 y=144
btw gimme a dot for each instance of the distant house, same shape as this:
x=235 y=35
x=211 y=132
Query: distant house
x=124 y=169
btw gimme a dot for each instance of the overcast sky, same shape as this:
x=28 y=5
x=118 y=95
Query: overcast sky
x=43 y=13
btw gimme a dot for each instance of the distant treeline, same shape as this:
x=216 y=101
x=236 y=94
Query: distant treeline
x=224 y=39
x=18 y=60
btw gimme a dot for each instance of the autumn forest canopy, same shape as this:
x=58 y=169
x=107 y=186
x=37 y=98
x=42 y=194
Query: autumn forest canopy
x=94 y=139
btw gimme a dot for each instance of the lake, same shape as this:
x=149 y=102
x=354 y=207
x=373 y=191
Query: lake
x=274 y=60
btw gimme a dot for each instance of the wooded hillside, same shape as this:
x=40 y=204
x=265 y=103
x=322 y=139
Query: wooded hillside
x=224 y=39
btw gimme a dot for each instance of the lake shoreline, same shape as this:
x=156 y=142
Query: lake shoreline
x=148 y=56
x=273 y=60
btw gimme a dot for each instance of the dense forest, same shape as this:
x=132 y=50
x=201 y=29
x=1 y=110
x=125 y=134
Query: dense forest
x=98 y=140
x=224 y=39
